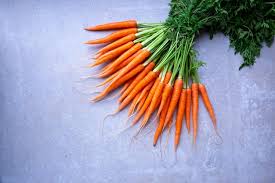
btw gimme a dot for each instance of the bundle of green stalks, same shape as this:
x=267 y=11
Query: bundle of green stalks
x=156 y=66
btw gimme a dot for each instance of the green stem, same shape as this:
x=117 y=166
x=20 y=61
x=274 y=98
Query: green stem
x=149 y=24
x=151 y=38
x=159 y=50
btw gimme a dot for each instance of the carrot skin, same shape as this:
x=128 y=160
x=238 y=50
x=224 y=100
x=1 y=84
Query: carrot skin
x=174 y=100
x=117 y=43
x=119 y=82
x=113 y=25
x=135 y=48
x=113 y=54
x=156 y=99
x=180 y=116
x=161 y=121
x=126 y=86
x=166 y=92
x=146 y=103
x=114 y=36
x=133 y=104
x=137 y=60
x=108 y=70
x=188 y=108
x=195 y=108
x=208 y=104
x=149 y=77
x=141 y=75
x=153 y=103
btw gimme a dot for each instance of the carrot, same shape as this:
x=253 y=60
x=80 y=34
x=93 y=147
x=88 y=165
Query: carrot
x=126 y=86
x=167 y=77
x=141 y=75
x=180 y=116
x=195 y=108
x=161 y=120
x=149 y=77
x=133 y=104
x=146 y=103
x=114 y=36
x=119 y=82
x=113 y=54
x=117 y=43
x=140 y=95
x=137 y=60
x=108 y=79
x=208 y=104
x=113 y=25
x=142 y=100
x=156 y=98
x=174 y=100
x=127 y=54
x=151 y=107
x=188 y=107
x=108 y=70
x=166 y=92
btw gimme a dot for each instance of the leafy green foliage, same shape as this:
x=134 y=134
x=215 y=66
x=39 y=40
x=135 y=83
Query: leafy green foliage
x=247 y=23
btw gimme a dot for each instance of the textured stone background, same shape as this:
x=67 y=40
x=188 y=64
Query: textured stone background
x=51 y=133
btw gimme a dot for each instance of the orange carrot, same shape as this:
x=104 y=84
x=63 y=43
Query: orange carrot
x=108 y=79
x=153 y=103
x=140 y=95
x=114 y=36
x=108 y=70
x=166 y=92
x=119 y=82
x=208 y=104
x=149 y=77
x=127 y=54
x=188 y=107
x=161 y=120
x=180 y=116
x=174 y=100
x=126 y=85
x=137 y=60
x=195 y=108
x=113 y=25
x=142 y=100
x=133 y=104
x=167 y=77
x=117 y=43
x=155 y=99
x=113 y=54
x=146 y=103
x=141 y=75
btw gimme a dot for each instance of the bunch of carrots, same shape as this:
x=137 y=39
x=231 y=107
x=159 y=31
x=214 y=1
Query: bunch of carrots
x=156 y=74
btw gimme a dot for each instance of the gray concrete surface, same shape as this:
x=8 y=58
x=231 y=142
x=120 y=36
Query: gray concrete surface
x=49 y=132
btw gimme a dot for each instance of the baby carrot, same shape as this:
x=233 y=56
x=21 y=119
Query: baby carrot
x=127 y=54
x=180 y=116
x=114 y=36
x=195 y=108
x=149 y=77
x=137 y=60
x=146 y=103
x=113 y=25
x=188 y=107
x=166 y=92
x=108 y=70
x=119 y=82
x=141 y=75
x=161 y=120
x=174 y=100
x=117 y=43
x=113 y=54
x=208 y=104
